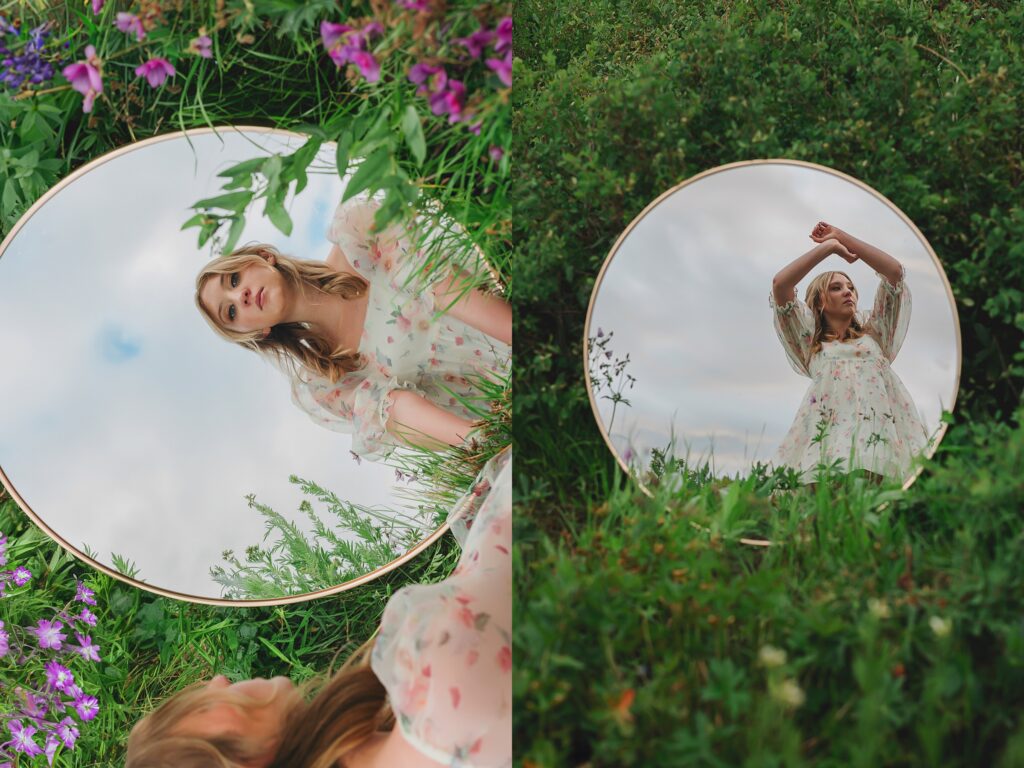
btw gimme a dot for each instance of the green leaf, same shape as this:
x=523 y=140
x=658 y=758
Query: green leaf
x=370 y=171
x=341 y=153
x=412 y=128
x=278 y=216
x=233 y=201
x=235 y=232
x=195 y=221
x=246 y=166
x=10 y=197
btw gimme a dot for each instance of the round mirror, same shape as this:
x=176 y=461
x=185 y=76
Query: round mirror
x=146 y=443
x=691 y=357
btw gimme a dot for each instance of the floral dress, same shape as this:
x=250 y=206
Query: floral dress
x=857 y=413
x=404 y=344
x=444 y=651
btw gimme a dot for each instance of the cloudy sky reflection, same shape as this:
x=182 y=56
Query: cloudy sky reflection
x=686 y=296
x=125 y=423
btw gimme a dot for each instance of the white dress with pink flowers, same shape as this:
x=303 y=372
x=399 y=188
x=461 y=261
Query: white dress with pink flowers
x=444 y=651
x=856 y=414
x=404 y=345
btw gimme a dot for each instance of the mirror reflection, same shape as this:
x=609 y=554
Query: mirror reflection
x=141 y=438
x=773 y=313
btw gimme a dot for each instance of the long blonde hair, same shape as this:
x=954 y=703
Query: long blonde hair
x=815 y=299
x=346 y=710
x=293 y=344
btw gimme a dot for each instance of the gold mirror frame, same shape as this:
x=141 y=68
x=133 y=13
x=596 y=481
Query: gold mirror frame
x=113 y=573
x=940 y=433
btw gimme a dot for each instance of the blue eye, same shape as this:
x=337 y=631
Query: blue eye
x=234 y=279
x=231 y=313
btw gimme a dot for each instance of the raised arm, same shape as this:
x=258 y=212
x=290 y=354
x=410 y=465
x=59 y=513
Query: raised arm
x=785 y=282
x=876 y=258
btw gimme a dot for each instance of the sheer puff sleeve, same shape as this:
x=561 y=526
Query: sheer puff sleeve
x=444 y=652
x=890 y=315
x=389 y=256
x=794 y=324
x=359 y=404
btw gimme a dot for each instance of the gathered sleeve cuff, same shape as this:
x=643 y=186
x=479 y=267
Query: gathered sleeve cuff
x=359 y=404
x=794 y=325
x=890 y=315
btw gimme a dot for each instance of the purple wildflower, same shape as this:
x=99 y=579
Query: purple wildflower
x=503 y=35
x=449 y=101
x=35 y=706
x=84 y=595
x=51 y=748
x=87 y=707
x=128 y=23
x=58 y=676
x=475 y=127
x=5 y=641
x=22 y=738
x=88 y=650
x=21 y=576
x=368 y=66
x=496 y=153
x=85 y=77
x=502 y=68
x=202 y=46
x=28 y=65
x=49 y=634
x=88 y=617
x=476 y=42
x=6 y=28
x=68 y=732
x=97 y=6
x=414 y=5
x=3 y=538
x=156 y=70
x=420 y=73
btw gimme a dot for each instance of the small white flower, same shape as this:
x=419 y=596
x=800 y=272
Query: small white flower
x=941 y=627
x=879 y=608
x=769 y=656
x=789 y=694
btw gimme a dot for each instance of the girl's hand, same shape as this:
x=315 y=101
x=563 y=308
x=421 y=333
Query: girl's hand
x=834 y=246
x=824 y=231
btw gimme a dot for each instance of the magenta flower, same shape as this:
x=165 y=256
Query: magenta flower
x=85 y=77
x=3 y=549
x=129 y=22
x=51 y=748
x=87 y=707
x=503 y=35
x=449 y=101
x=414 y=5
x=331 y=33
x=476 y=42
x=496 y=153
x=202 y=45
x=22 y=738
x=68 y=732
x=156 y=70
x=419 y=73
x=502 y=67
x=5 y=641
x=20 y=576
x=97 y=6
x=49 y=634
x=83 y=594
x=368 y=66
x=58 y=676
x=88 y=617
x=88 y=650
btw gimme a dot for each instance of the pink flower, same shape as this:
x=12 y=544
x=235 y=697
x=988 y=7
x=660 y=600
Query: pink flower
x=129 y=22
x=97 y=6
x=502 y=68
x=85 y=77
x=476 y=42
x=202 y=45
x=49 y=634
x=368 y=66
x=496 y=153
x=155 y=71
x=505 y=658
x=503 y=35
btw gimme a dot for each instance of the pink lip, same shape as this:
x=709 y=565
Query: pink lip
x=259 y=298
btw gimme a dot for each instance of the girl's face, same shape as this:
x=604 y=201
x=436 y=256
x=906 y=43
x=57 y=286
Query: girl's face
x=263 y=720
x=840 y=299
x=256 y=297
